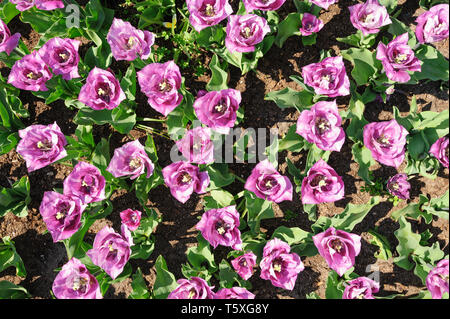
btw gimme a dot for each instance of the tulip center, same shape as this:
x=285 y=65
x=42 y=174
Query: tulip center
x=384 y=141
x=322 y=125
x=319 y=181
x=135 y=163
x=79 y=284
x=325 y=80
x=277 y=265
x=44 y=145
x=34 y=76
x=192 y=293
x=86 y=184
x=221 y=107
x=369 y=18
x=395 y=186
x=165 y=86
x=60 y=215
x=131 y=42
x=185 y=178
x=243 y=262
x=270 y=182
x=309 y=26
x=336 y=244
x=400 y=58
x=133 y=217
x=104 y=92
x=360 y=296
x=222 y=227
x=246 y=32
x=209 y=10
x=62 y=56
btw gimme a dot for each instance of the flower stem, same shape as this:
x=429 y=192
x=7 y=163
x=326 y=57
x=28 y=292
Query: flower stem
x=239 y=178
x=147 y=119
x=152 y=131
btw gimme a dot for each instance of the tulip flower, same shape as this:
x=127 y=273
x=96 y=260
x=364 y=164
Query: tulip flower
x=61 y=55
x=194 y=288
x=30 y=73
x=85 y=182
x=369 y=17
x=439 y=149
x=206 y=13
x=244 y=32
x=433 y=25
x=399 y=186
x=8 y=42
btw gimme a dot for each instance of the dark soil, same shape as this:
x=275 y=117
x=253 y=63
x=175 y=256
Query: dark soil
x=177 y=231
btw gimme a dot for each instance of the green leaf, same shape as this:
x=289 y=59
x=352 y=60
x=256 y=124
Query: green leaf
x=8 y=290
x=292 y=236
x=389 y=4
x=434 y=64
x=292 y=141
x=408 y=243
x=291 y=98
x=201 y=255
x=335 y=286
x=363 y=156
x=219 y=175
x=10 y=258
x=219 y=77
x=139 y=286
x=314 y=155
x=382 y=243
x=165 y=281
x=348 y=219
x=8 y=11
x=258 y=209
x=288 y=27
x=16 y=198
x=365 y=64
x=128 y=83
x=222 y=197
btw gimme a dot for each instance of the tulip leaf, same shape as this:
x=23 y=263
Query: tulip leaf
x=10 y=258
x=16 y=198
x=288 y=27
x=128 y=83
x=229 y=278
x=348 y=219
x=258 y=209
x=219 y=176
x=165 y=281
x=8 y=11
x=335 y=286
x=292 y=141
x=292 y=235
x=363 y=156
x=219 y=77
x=201 y=255
x=291 y=98
x=8 y=290
x=139 y=286
x=434 y=64
x=365 y=64
x=382 y=243
x=397 y=28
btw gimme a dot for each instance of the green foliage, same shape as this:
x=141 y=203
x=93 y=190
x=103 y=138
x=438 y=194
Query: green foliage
x=219 y=76
x=165 y=281
x=16 y=198
x=139 y=286
x=258 y=209
x=10 y=258
x=8 y=290
x=288 y=27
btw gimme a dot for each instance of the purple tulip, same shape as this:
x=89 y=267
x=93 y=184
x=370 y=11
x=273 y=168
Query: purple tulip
x=131 y=218
x=183 y=179
x=48 y=4
x=369 y=17
x=234 y=293
x=432 y=25
x=130 y=160
x=324 y=3
x=243 y=265
x=218 y=109
x=361 y=288
x=8 y=42
x=310 y=24
x=62 y=56
x=268 y=184
x=23 y=5
x=111 y=251
x=321 y=125
x=127 y=42
x=327 y=77
x=437 y=279
x=101 y=91
x=196 y=146
x=339 y=248
x=244 y=32
x=41 y=145
x=440 y=150
x=263 y=5
x=322 y=185
x=61 y=214
x=386 y=140
x=220 y=227
x=30 y=73
x=194 y=288
x=398 y=58
x=160 y=82
x=85 y=182
x=279 y=266
x=399 y=186
x=74 y=281
x=206 y=13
